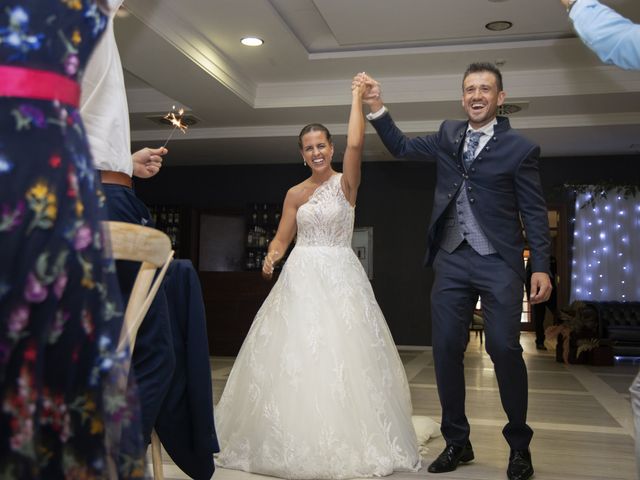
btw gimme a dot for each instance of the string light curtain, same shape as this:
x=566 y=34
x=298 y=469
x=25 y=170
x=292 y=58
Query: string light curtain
x=606 y=247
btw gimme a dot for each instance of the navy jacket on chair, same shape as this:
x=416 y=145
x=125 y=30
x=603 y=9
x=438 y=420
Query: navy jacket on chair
x=185 y=423
x=503 y=185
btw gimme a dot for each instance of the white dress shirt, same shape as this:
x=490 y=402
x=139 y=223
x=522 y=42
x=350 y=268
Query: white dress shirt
x=484 y=139
x=103 y=104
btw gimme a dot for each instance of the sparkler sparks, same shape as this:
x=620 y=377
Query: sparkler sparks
x=176 y=121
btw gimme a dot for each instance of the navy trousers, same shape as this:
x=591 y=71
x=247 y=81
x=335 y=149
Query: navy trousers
x=460 y=277
x=153 y=359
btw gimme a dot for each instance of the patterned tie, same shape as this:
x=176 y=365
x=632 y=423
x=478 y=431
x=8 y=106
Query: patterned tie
x=473 y=139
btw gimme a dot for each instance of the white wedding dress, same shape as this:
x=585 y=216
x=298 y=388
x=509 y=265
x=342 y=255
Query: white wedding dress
x=318 y=390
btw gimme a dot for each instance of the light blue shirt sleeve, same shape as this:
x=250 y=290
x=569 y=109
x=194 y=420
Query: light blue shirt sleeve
x=612 y=37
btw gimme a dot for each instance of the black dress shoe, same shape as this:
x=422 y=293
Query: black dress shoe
x=540 y=346
x=450 y=457
x=520 y=467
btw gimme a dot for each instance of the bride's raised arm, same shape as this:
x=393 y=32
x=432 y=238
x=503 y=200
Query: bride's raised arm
x=355 y=142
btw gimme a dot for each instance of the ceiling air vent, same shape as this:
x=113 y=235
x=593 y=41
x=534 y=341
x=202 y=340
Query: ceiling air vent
x=187 y=119
x=511 y=108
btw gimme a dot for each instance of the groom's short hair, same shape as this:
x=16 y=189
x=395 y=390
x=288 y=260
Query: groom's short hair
x=477 y=67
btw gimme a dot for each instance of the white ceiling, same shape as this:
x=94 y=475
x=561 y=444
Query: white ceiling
x=252 y=102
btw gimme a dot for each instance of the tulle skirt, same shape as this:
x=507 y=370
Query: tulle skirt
x=318 y=389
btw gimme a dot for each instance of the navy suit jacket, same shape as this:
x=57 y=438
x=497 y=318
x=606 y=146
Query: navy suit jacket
x=185 y=422
x=503 y=186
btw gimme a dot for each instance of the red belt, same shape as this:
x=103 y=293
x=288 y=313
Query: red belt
x=38 y=84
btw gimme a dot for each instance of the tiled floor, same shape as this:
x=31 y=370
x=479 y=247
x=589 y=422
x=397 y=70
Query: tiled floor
x=581 y=416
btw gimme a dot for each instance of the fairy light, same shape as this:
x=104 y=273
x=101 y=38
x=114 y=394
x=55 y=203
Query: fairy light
x=604 y=261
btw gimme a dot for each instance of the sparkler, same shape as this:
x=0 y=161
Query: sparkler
x=176 y=121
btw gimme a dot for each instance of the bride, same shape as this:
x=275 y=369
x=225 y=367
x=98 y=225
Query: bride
x=318 y=390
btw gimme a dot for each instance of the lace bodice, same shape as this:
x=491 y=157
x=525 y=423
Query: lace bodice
x=326 y=219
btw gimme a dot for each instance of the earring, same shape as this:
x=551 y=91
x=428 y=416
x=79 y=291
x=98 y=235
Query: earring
x=304 y=163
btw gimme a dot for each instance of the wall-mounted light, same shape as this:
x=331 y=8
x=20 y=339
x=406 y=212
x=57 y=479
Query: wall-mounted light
x=252 y=41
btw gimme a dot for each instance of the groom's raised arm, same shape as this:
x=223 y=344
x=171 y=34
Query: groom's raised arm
x=396 y=142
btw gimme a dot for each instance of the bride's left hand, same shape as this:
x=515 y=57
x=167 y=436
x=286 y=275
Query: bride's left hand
x=269 y=264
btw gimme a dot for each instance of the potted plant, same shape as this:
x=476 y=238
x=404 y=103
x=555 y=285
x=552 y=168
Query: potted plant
x=576 y=333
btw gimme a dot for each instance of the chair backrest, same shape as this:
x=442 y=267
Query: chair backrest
x=152 y=248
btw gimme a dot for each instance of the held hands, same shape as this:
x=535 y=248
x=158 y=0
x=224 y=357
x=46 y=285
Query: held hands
x=358 y=86
x=270 y=261
x=540 y=288
x=372 y=96
x=147 y=161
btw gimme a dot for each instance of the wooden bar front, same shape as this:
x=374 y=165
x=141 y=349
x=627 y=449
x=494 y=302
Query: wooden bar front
x=231 y=301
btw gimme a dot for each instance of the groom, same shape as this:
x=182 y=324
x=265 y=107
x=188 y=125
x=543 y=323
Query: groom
x=487 y=181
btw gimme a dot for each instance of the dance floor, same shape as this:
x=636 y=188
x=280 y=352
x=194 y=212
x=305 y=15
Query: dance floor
x=581 y=416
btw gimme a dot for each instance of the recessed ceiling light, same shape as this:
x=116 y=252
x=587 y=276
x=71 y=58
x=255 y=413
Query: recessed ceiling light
x=252 y=41
x=498 y=25
x=122 y=12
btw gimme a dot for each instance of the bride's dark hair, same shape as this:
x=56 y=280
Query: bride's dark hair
x=313 y=127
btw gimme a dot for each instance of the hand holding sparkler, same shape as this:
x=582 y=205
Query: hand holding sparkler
x=176 y=121
x=147 y=161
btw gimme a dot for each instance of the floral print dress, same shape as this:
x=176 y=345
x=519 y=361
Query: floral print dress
x=67 y=409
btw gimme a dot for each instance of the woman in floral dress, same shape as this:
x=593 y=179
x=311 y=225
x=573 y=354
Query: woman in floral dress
x=66 y=409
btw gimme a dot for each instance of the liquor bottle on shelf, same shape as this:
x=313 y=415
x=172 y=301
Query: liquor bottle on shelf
x=153 y=211
x=176 y=230
x=168 y=220
x=162 y=224
x=251 y=261
x=262 y=224
x=254 y=214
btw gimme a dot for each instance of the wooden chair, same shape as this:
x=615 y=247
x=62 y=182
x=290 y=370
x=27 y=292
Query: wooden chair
x=152 y=248
x=477 y=324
